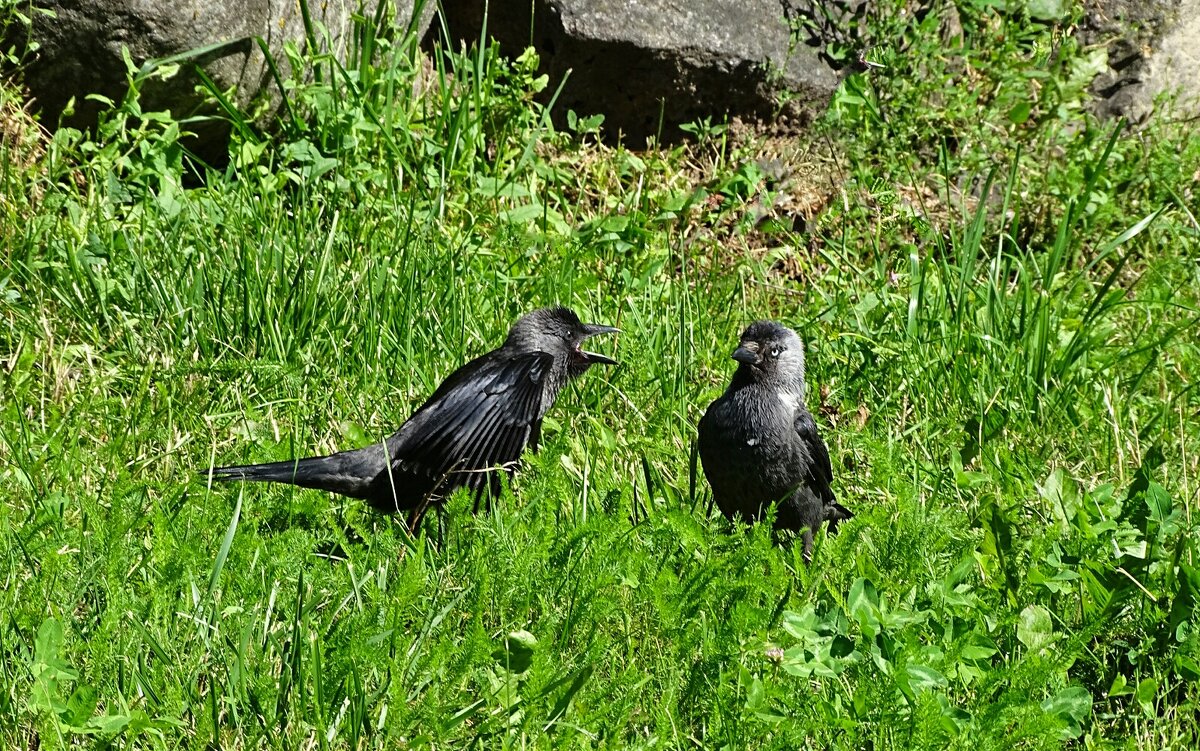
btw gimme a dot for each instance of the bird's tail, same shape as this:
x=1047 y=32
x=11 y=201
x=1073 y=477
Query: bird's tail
x=835 y=513
x=350 y=473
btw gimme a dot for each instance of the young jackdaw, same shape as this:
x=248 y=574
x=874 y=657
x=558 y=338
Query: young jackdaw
x=478 y=421
x=759 y=444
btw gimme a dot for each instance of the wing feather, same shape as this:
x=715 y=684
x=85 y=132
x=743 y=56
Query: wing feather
x=820 y=469
x=481 y=421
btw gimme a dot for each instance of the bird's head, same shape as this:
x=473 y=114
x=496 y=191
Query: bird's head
x=559 y=332
x=773 y=353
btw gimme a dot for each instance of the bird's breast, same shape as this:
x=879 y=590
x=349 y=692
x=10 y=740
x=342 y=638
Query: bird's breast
x=551 y=385
x=754 y=423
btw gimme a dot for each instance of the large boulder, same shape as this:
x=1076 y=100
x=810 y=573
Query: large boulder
x=80 y=49
x=650 y=66
x=1153 y=48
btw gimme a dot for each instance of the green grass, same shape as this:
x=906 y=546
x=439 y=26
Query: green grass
x=1002 y=357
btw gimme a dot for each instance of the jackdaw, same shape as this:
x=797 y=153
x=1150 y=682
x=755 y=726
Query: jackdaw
x=477 y=422
x=759 y=444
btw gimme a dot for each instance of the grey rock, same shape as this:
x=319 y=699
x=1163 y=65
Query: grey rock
x=80 y=49
x=1153 y=48
x=651 y=65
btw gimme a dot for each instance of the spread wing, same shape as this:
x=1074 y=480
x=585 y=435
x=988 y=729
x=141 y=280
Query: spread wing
x=480 y=418
x=820 y=470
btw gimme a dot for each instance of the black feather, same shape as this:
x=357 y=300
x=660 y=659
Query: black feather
x=759 y=444
x=475 y=425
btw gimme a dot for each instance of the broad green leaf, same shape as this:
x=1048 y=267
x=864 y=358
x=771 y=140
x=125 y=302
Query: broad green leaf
x=1146 y=693
x=516 y=652
x=1034 y=628
x=1071 y=705
x=923 y=677
x=1047 y=10
x=863 y=602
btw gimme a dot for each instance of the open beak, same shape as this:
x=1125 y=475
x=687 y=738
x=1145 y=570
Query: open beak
x=595 y=358
x=746 y=356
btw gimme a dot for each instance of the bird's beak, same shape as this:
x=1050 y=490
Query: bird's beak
x=595 y=358
x=746 y=356
x=591 y=329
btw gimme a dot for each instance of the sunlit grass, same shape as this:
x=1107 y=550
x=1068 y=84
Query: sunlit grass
x=1007 y=392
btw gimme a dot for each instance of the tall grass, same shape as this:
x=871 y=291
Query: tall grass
x=1005 y=391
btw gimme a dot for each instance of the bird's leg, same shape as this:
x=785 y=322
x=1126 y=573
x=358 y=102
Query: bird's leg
x=491 y=486
x=434 y=497
x=535 y=435
x=479 y=494
x=693 y=458
x=417 y=514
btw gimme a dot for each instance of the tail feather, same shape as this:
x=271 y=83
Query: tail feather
x=835 y=513
x=350 y=473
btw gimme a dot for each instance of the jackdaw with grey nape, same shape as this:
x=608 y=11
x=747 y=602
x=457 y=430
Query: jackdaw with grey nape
x=759 y=444
x=477 y=422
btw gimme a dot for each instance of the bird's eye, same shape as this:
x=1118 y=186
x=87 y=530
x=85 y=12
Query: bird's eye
x=775 y=351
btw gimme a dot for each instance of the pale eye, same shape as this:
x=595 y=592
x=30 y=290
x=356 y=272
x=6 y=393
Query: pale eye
x=775 y=351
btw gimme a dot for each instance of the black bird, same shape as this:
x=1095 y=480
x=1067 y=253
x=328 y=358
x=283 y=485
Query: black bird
x=759 y=444
x=478 y=421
